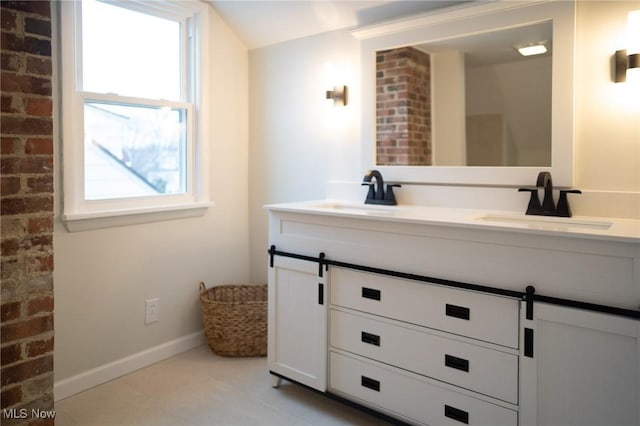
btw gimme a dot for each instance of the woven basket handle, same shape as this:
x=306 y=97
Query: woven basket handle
x=202 y=287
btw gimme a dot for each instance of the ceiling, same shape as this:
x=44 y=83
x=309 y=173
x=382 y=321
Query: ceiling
x=261 y=23
x=496 y=47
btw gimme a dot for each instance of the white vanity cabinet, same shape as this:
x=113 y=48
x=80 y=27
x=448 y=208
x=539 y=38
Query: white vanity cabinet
x=422 y=352
x=429 y=322
x=582 y=368
x=297 y=322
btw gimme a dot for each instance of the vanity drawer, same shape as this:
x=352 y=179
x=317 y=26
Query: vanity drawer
x=467 y=313
x=420 y=400
x=473 y=367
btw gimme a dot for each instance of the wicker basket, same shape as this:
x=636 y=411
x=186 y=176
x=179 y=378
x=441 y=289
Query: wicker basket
x=235 y=319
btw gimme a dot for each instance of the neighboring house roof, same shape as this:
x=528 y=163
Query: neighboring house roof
x=107 y=177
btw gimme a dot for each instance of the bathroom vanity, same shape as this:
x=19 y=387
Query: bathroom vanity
x=446 y=316
x=449 y=316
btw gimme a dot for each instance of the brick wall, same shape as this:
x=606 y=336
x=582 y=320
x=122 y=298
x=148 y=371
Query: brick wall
x=26 y=204
x=403 y=107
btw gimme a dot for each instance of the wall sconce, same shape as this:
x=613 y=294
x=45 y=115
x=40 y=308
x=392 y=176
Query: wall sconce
x=623 y=63
x=339 y=95
x=629 y=59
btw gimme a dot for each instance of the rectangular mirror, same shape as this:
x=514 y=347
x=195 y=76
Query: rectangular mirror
x=448 y=98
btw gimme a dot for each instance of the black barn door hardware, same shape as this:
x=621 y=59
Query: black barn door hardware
x=528 y=342
x=529 y=296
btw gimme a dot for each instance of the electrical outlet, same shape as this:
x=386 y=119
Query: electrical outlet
x=152 y=311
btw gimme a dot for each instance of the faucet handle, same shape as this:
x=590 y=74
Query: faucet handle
x=371 y=194
x=534 y=206
x=563 y=209
x=389 y=196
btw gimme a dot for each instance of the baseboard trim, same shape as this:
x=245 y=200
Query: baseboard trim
x=80 y=382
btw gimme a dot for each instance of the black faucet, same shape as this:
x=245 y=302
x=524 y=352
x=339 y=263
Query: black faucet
x=548 y=207
x=377 y=194
x=544 y=181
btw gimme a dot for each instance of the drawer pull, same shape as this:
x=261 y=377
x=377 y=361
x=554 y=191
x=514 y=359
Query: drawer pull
x=457 y=363
x=369 y=338
x=456 y=414
x=370 y=383
x=370 y=293
x=457 y=312
x=528 y=342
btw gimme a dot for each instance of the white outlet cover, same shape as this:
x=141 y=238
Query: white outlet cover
x=152 y=311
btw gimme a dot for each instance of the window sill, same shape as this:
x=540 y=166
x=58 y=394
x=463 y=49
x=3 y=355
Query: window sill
x=78 y=222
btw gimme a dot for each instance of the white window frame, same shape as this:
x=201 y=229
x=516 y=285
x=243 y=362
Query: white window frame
x=79 y=214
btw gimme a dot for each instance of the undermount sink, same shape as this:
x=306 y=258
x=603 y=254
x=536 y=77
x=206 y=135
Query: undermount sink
x=546 y=222
x=366 y=209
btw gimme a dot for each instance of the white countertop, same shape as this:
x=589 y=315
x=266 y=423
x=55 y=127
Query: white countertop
x=613 y=229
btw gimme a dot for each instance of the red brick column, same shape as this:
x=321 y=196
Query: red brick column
x=26 y=204
x=403 y=107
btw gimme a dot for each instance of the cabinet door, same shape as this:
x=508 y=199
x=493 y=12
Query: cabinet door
x=579 y=368
x=297 y=327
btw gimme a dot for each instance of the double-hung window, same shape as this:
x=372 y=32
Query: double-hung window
x=133 y=90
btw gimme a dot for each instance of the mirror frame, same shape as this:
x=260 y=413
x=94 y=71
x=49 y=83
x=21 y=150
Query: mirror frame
x=468 y=19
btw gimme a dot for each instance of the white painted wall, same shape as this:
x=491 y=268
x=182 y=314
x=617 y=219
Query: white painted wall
x=293 y=155
x=607 y=114
x=299 y=140
x=103 y=277
x=607 y=151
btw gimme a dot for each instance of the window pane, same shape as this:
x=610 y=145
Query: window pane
x=134 y=150
x=129 y=53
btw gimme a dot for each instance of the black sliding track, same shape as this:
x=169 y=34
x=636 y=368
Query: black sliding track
x=589 y=306
x=529 y=295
